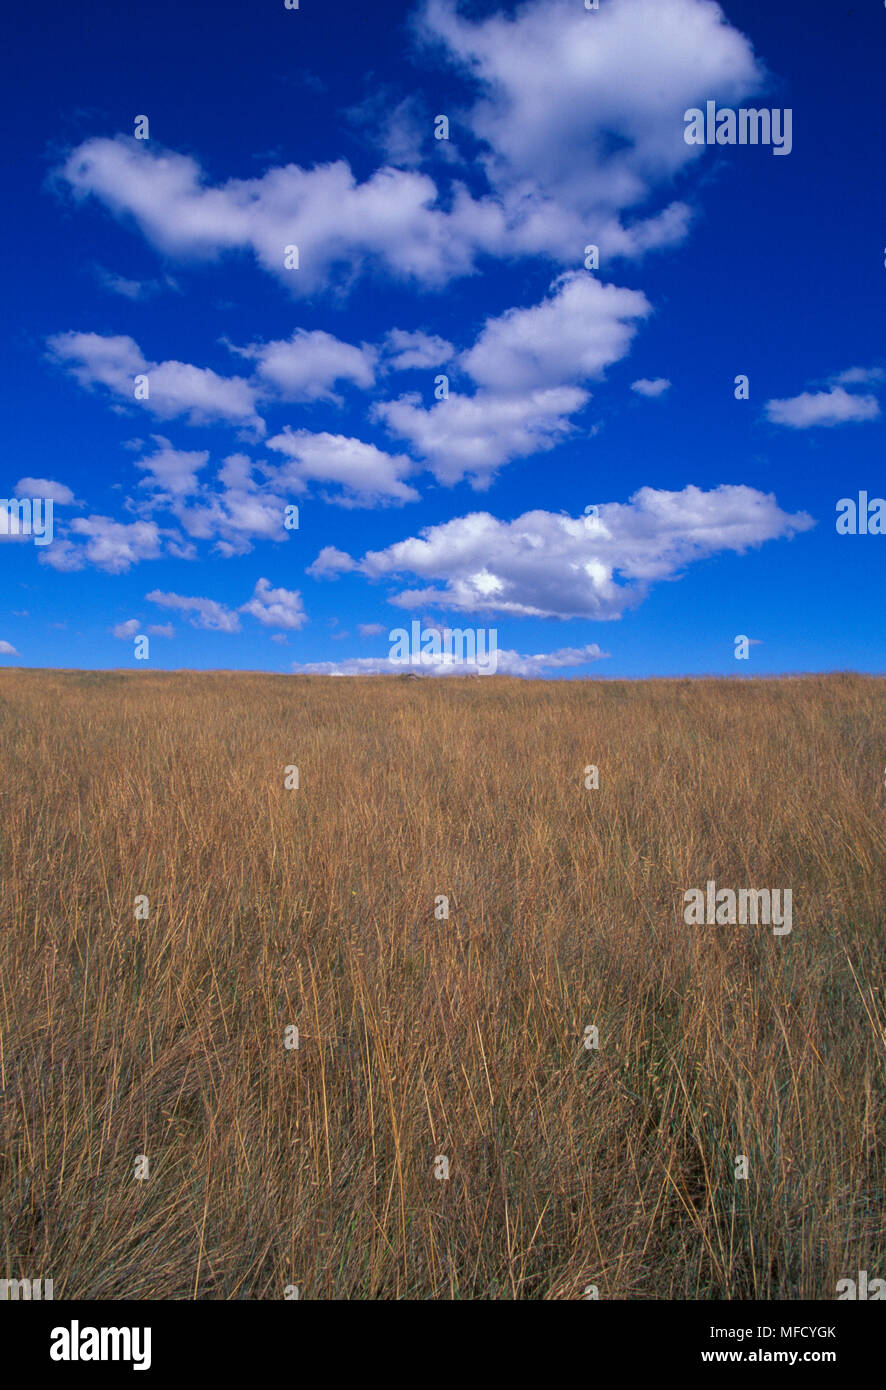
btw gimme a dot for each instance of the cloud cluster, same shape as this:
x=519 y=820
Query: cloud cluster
x=305 y=367
x=578 y=117
x=572 y=133
x=580 y=113
x=337 y=222
x=279 y=608
x=526 y=365
x=234 y=509
x=244 y=502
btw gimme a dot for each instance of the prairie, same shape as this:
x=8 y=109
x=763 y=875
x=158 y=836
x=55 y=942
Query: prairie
x=421 y=1037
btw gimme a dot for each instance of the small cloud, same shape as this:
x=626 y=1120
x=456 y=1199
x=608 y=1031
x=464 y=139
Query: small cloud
x=200 y=612
x=46 y=488
x=656 y=387
x=133 y=289
x=172 y=472
x=411 y=350
x=276 y=607
x=309 y=365
x=822 y=408
x=64 y=556
x=858 y=376
x=6 y=649
x=110 y=545
x=175 y=388
x=129 y=628
x=368 y=476
x=280 y=638
x=330 y=561
x=370 y=629
x=161 y=630
x=118 y=284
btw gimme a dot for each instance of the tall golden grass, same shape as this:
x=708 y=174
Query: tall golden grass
x=569 y=1167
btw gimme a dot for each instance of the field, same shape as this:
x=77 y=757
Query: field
x=423 y=1038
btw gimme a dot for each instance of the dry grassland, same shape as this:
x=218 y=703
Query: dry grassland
x=418 y=1037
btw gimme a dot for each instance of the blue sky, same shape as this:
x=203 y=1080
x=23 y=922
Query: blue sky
x=614 y=387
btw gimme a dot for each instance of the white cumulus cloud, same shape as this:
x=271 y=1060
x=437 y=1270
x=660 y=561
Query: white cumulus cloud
x=307 y=366
x=365 y=474
x=174 y=388
x=527 y=365
x=582 y=112
x=276 y=607
x=582 y=328
x=547 y=564
x=47 y=488
x=834 y=407
x=579 y=116
x=200 y=612
x=652 y=388
x=410 y=350
x=110 y=545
